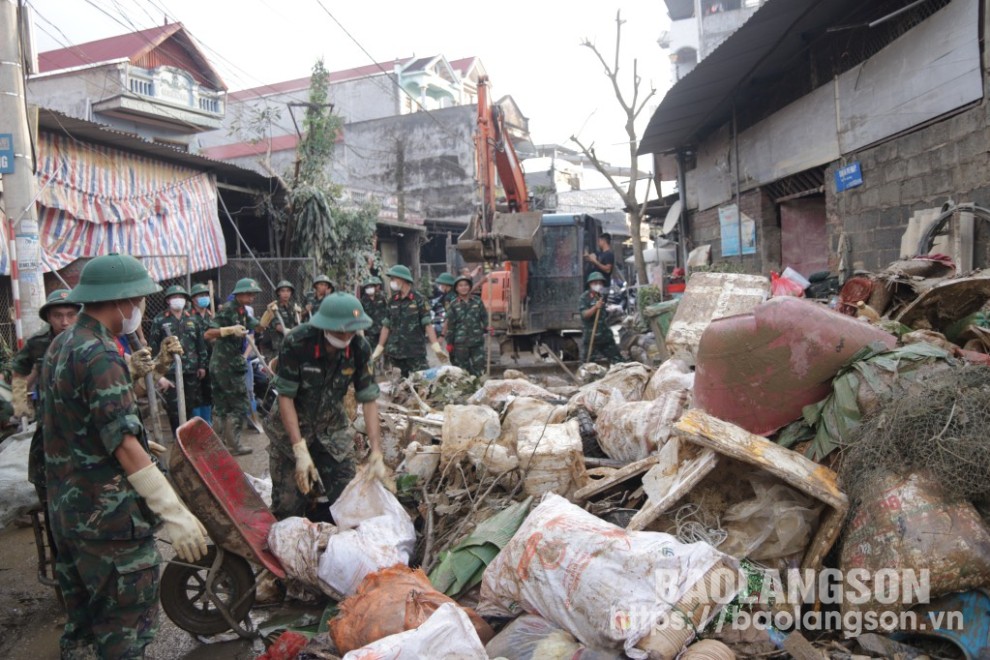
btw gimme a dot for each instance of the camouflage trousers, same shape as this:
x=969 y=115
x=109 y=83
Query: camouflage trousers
x=409 y=364
x=605 y=349
x=472 y=359
x=332 y=454
x=229 y=388
x=192 y=388
x=111 y=596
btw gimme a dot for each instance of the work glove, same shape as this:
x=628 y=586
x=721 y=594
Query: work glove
x=379 y=349
x=156 y=449
x=306 y=474
x=141 y=364
x=375 y=469
x=267 y=318
x=22 y=404
x=272 y=306
x=187 y=534
x=171 y=346
x=438 y=350
x=238 y=331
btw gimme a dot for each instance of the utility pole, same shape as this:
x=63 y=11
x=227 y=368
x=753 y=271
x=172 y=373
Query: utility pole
x=19 y=185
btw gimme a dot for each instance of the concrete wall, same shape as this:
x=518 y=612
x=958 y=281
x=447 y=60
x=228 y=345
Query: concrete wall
x=920 y=170
x=425 y=159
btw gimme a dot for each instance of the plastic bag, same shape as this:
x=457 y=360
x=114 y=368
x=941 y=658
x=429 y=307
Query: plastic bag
x=389 y=602
x=778 y=522
x=597 y=581
x=496 y=394
x=374 y=532
x=628 y=379
x=17 y=495
x=447 y=633
x=918 y=529
x=552 y=458
x=465 y=426
x=634 y=430
x=531 y=637
x=262 y=486
x=782 y=286
x=672 y=375
x=299 y=543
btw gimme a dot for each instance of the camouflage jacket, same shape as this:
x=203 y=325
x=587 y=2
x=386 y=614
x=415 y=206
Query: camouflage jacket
x=228 y=352
x=588 y=300
x=30 y=355
x=406 y=318
x=291 y=314
x=377 y=308
x=204 y=324
x=317 y=379
x=310 y=300
x=466 y=322
x=87 y=408
x=189 y=330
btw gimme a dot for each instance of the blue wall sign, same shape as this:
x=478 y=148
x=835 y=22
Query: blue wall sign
x=849 y=176
x=6 y=153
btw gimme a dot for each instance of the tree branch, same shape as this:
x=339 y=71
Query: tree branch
x=589 y=152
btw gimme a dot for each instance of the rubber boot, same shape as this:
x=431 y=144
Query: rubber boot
x=237 y=448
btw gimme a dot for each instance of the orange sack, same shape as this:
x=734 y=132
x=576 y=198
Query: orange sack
x=391 y=601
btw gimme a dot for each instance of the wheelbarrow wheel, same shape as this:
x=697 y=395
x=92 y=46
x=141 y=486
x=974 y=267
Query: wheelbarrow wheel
x=184 y=597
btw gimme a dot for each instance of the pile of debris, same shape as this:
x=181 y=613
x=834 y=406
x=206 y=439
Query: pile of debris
x=795 y=478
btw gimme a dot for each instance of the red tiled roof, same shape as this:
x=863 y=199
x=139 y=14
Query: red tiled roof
x=241 y=149
x=129 y=46
x=299 y=84
x=463 y=64
x=146 y=48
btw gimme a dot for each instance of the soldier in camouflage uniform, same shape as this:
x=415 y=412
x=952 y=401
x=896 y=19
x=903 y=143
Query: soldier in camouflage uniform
x=592 y=304
x=322 y=287
x=308 y=427
x=285 y=314
x=465 y=329
x=402 y=331
x=200 y=295
x=59 y=314
x=184 y=325
x=228 y=368
x=105 y=495
x=375 y=306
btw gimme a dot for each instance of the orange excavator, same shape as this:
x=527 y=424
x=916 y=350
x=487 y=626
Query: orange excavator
x=533 y=290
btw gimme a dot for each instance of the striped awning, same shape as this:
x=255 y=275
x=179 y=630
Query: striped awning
x=96 y=200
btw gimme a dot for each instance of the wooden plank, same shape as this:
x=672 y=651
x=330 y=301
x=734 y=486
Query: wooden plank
x=618 y=476
x=686 y=475
x=791 y=467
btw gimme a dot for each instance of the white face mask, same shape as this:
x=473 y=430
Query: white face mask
x=177 y=304
x=336 y=342
x=370 y=290
x=597 y=288
x=395 y=286
x=132 y=322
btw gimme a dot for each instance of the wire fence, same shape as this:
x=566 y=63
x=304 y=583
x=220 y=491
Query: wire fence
x=299 y=270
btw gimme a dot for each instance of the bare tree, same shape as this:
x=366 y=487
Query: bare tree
x=632 y=108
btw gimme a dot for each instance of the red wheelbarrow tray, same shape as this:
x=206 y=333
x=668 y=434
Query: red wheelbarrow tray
x=215 y=489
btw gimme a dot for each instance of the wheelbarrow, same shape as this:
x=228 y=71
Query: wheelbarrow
x=216 y=593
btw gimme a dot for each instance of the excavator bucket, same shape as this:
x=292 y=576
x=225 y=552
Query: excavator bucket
x=514 y=237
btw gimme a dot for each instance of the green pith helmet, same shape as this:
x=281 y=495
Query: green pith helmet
x=595 y=277
x=175 y=290
x=463 y=278
x=322 y=278
x=285 y=284
x=446 y=278
x=246 y=285
x=372 y=281
x=113 y=277
x=198 y=289
x=400 y=272
x=341 y=312
x=57 y=298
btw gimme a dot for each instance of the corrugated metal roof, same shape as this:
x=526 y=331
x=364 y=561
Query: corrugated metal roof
x=758 y=51
x=87 y=131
